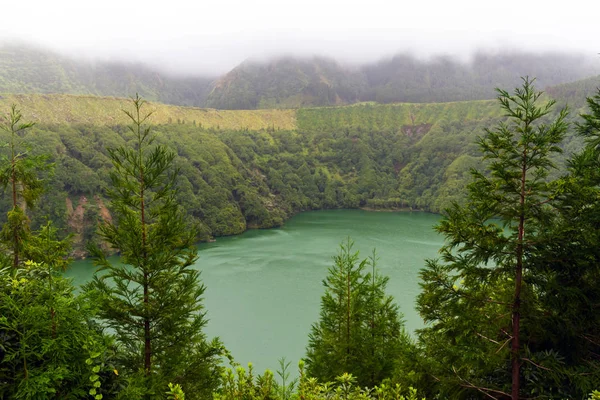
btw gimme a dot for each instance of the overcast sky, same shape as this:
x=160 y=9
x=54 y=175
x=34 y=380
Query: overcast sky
x=212 y=36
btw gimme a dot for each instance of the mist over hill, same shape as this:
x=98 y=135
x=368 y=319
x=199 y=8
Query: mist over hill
x=288 y=82
x=292 y=82
x=25 y=69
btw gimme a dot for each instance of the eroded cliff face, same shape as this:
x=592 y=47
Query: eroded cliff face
x=83 y=219
x=104 y=213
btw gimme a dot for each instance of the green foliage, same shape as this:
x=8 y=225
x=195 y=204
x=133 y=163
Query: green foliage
x=294 y=83
x=569 y=270
x=175 y=392
x=252 y=174
x=359 y=331
x=152 y=299
x=29 y=70
x=285 y=389
x=20 y=172
x=480 y=300
x=243 y=385
x=44 y=327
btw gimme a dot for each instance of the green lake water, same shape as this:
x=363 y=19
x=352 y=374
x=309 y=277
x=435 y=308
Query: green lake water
x=263 y=287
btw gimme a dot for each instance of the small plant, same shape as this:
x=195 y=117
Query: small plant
x=175 y=392
x=286 y=389
x=95 y=365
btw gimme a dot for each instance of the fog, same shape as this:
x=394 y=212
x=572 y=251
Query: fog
x=211 y=37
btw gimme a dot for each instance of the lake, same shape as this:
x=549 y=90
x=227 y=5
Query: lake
x=263 y=288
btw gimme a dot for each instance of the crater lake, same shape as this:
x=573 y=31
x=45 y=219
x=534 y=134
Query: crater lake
x=264 y=287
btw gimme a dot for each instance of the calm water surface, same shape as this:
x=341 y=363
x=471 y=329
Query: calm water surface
x=263 y=287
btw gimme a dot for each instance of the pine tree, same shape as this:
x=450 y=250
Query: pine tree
x=385 y=337
x=152 y=298
x=21 y=171
x=360 y=330
x=568 y=275
x=476 y=299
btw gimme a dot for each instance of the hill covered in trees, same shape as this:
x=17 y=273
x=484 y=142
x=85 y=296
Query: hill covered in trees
x=510 y=304
x=249 y=169
x=290 y=82
x=25 y=69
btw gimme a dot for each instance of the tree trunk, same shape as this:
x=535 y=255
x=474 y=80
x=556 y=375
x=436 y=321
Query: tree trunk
x=348 y=315
x=147 y=341
x=147 y=338
x=516 y=316
x=14 y=199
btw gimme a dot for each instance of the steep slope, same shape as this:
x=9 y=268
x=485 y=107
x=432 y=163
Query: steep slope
x=26 y=69
x=286 y=83
x=235 y=175
x=575 y=93
x=245 y=169
x=293 y=82
x=406 y=79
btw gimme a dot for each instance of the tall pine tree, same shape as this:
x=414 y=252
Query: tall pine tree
x=478 y=297
x=152 y=298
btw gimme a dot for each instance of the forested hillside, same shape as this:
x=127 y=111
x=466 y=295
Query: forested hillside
x=25 y=69
x=287 y=83
x=403 y=78
x=247 y=169
x=290 y=82
x=509 y=305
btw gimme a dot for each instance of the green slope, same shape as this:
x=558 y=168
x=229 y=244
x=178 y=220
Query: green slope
x=290 y=82
x=575 y=93
x=286 y=83
x=71 y=109
x=25 y=69
x=243 y=169
x=294 y=82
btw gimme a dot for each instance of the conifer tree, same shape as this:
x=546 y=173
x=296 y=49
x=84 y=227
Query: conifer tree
x=568 y=275
x=360 y=330
x=476 y=299
x=152 y=298
x=21 y=172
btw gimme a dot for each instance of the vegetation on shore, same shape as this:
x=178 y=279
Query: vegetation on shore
x=511 y=302
x=255 y=169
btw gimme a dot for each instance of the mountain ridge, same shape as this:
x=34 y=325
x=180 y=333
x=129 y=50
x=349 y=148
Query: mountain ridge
x=291 y=82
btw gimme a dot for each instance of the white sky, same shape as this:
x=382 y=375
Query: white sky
x=212 y=36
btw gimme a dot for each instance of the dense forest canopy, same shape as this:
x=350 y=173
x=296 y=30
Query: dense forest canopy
x=248 y=169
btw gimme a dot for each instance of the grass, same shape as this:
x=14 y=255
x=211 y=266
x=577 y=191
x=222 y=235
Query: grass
x=85 y=109
x=94 y=110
